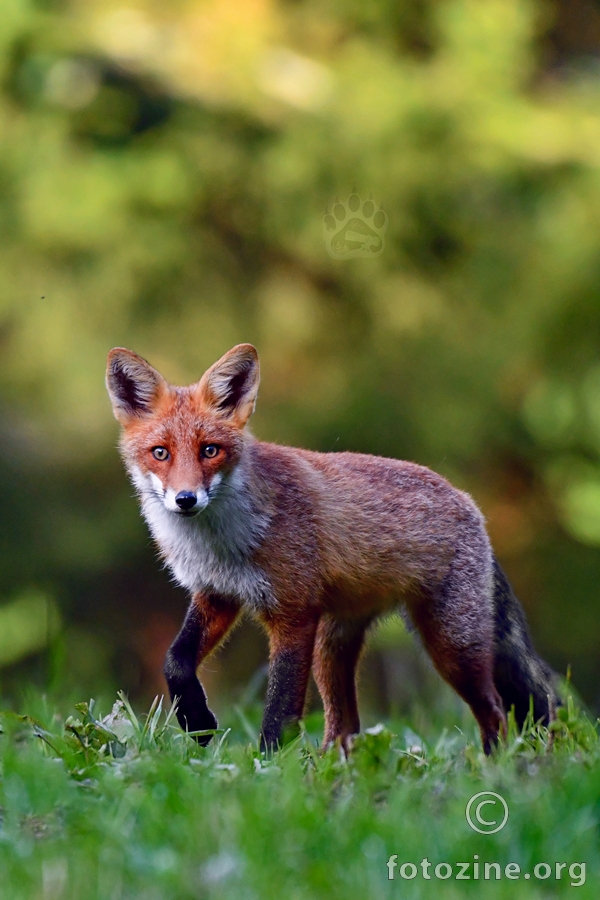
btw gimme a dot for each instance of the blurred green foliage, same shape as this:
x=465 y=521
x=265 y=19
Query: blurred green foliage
x=164 y=171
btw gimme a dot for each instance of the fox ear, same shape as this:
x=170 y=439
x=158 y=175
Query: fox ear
x=230 y=386
x=133 y=385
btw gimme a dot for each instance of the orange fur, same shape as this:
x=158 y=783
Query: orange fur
x=316 y=545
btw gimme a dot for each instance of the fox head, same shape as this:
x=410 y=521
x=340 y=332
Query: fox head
x=181 y=443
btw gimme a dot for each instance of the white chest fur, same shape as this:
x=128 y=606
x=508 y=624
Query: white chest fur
x=212 y=551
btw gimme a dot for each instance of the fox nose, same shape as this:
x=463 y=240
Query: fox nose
x=185 y=500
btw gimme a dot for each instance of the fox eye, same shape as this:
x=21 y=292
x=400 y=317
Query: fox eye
x=210 y=451
x=160 y=453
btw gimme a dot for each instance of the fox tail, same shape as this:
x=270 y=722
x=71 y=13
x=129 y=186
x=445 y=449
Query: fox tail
x=519 y=673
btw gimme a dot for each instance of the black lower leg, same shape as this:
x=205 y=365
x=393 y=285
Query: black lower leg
x=475 y=685
x=286 y=691
x=193 y=713
x=291 y=651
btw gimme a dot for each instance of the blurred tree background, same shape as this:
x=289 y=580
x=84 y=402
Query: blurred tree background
x=164 y=172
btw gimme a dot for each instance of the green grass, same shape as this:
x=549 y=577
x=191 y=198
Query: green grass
x=128 y=807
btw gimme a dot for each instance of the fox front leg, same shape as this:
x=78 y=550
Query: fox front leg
x=291 y=649
x=206 y=623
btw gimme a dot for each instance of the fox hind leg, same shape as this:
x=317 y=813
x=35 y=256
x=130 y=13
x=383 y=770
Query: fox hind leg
x=337 y=651
x=469 y=670
x=456 y=623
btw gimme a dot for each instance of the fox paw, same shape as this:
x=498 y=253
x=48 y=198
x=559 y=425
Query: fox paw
x=209 y=723
x=354 y=228
x=343 y=743
x=198 y=720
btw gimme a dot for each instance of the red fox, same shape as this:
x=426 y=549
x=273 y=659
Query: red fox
x=316 y=546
